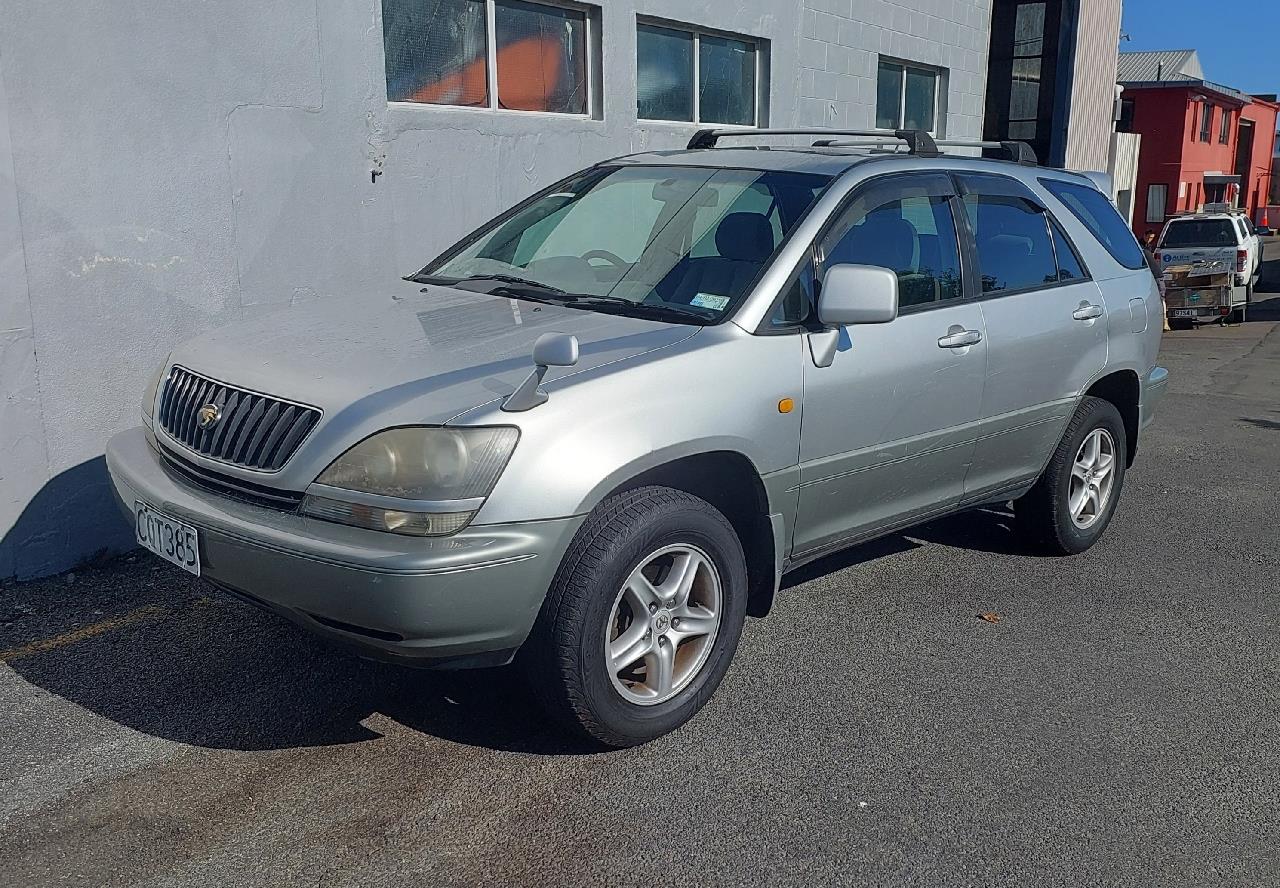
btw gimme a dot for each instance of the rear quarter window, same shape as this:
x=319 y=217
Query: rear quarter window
x=1098 y=214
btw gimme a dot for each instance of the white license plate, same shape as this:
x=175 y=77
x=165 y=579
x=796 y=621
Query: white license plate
x=1184 y=312
x=167 y=537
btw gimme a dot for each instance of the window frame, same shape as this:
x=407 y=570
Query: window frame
x=813 y=258
x=1046 y=215
x=1224 y=128
x=1164 y=187
x=1206 y=122
x=938 y=75
x=591 y=73
x=760 y=45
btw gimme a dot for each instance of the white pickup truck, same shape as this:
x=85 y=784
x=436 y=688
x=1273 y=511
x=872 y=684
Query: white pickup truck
x=1206 y=236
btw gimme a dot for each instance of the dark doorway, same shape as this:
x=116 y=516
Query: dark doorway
x=1244 y=160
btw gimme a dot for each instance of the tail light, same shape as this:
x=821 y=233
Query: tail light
x=1242 y=256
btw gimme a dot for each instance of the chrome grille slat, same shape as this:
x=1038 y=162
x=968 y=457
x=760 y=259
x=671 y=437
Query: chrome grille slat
x=230 y=408
x=278 y=428
x=240 y=447
x=256 y=431
x=304 y=423
x=252 y=453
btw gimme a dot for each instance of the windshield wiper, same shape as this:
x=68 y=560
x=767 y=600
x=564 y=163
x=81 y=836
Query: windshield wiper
x=516 y=281
x=617 y=305
x=513 y=287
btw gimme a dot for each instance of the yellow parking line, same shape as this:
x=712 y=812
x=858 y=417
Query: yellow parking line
x=141 y=615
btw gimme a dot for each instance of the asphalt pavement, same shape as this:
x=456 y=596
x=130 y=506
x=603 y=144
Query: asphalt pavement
x=1117 y=726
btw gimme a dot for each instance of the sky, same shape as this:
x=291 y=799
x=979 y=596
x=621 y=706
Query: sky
x=1238 y=40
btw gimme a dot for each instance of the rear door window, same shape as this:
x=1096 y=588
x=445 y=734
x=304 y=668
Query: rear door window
x=1015 y=247
x=1100 y=216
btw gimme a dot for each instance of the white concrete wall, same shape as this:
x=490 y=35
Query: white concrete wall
x=167 y=166
x=843 y=40
x=1126 y=149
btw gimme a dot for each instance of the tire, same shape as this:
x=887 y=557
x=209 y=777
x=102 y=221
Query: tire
x=565 y=656
x=1044 y=516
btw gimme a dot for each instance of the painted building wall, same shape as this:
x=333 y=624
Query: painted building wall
x=168 y=167
x=1172 y=153
x=1257 y=188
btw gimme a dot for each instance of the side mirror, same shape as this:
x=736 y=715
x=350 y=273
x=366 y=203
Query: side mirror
x=858 y=294
x=550 y=350
x=556 y=350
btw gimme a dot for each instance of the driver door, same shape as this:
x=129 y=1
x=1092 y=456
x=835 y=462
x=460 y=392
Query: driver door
x=888 y=429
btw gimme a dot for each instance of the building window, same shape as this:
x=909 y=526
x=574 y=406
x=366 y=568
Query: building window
x=1028 y=64
x=1224 y=131
x=906 y=96
x=1157 y=198
x=1124 y=124
x=697 y=77
x=499 y=54
x=1206 y=121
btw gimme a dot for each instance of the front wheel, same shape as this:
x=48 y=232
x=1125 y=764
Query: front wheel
x=642 y=619
x=1071 y=505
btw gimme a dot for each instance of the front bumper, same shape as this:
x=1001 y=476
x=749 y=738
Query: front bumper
x=470 y=598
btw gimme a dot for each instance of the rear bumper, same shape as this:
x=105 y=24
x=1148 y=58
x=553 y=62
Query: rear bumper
x=469 y=598
x=1153 y=392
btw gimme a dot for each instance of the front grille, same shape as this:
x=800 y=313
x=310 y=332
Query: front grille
x=253 y=431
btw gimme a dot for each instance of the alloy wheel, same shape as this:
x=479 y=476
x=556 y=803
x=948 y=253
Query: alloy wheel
x=663 y=625
x=1093 y=477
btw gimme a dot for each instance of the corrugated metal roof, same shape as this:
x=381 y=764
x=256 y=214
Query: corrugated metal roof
x=1148 y=67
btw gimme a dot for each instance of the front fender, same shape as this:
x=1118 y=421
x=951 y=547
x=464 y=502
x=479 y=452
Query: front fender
x=718 y=391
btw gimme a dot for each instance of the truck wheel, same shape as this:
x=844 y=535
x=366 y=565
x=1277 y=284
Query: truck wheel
x=642 y=619
x=1071 y=505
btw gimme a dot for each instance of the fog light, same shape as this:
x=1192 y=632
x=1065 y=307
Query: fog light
x=387 y=520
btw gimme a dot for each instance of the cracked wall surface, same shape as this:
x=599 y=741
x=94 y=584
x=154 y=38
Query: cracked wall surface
x=167 y=167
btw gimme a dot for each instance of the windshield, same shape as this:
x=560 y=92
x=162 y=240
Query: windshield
x=685 y=243
x=1200 y=233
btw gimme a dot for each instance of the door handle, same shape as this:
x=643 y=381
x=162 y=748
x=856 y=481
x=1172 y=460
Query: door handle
x=959 y=337
x=1087 y=312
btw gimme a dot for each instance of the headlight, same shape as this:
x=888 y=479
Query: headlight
x=152 y=389
x=416 y=481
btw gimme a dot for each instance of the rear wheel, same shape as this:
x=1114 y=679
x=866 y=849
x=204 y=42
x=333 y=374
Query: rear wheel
x=1071 y=505
x=642 y=619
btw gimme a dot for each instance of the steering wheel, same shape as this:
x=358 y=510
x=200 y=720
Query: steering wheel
x=612 y=258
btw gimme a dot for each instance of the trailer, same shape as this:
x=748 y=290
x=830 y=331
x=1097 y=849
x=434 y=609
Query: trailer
x=1201 y=289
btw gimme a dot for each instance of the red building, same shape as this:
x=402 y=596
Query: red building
x=1201 y=143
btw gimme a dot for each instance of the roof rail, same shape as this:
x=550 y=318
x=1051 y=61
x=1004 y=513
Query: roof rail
x=918 y=142
x=1020 y=152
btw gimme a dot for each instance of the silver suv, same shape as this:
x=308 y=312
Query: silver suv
x=595 y=434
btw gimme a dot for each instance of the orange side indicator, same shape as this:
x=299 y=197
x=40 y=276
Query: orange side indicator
x=786 y=405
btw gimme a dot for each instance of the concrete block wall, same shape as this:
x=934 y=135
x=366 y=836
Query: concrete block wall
x=169 y=167
x=843 y=40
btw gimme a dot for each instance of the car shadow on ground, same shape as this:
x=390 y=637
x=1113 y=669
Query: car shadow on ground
x=146 y=646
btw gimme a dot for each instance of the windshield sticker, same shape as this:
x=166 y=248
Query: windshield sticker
x=710 y=300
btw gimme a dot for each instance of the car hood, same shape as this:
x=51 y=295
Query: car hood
x=422 y=359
